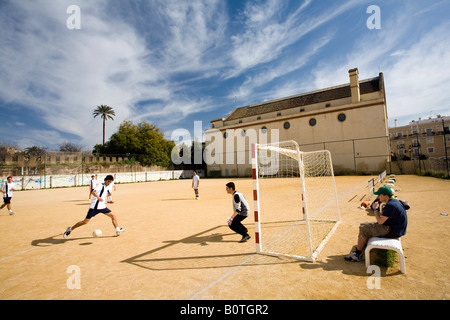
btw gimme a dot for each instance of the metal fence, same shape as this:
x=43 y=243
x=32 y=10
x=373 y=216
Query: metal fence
x=53 y=169
x=432 y=167
x=30 y=182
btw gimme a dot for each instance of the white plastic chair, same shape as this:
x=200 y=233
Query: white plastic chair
x=387 y=244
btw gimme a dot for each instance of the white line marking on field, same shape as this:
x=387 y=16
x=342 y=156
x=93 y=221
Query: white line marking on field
x=16 y=254
x=212 y=284
x=227 y=274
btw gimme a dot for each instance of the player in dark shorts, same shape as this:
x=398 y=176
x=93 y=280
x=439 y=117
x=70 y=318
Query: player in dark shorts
x=7 y=189
x=98 y=205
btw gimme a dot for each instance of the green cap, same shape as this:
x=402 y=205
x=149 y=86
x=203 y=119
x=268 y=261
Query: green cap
x=384 y=190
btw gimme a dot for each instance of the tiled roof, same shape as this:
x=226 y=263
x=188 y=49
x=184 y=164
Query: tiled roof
x=340 y=92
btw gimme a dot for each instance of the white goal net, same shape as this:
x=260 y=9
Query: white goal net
x=295 y=200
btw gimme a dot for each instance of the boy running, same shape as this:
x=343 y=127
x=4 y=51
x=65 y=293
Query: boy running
x=92 y=184
x=7 y=189
x=98 y=206
x=113 y=187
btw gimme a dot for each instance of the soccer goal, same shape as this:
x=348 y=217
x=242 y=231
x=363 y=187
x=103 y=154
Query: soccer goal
x=295 y=200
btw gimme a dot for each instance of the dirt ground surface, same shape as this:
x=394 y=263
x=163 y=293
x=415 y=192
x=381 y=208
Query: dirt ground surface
x=177 y=248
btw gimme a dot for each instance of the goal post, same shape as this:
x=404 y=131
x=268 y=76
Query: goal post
x=295 y=200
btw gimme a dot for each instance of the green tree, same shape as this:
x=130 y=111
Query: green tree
x=106 y=112
x=144 y=140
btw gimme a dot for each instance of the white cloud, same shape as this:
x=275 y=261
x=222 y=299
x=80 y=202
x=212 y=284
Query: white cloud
x=36 y=137
x=418 y=82
x=414 y=65
x=265 y=36
x=278 y=70
x=194 y=28
x=173 y=111
x=65 y=74
x=398 y=53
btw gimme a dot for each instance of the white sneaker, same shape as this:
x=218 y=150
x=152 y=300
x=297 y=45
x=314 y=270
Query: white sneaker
x=118 y=232
x=11 y=213
x=66 y=234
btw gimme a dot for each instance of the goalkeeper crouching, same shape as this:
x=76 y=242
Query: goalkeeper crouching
x=240 y=212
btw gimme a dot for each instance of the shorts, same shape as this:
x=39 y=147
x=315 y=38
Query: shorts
x=7 y=200
x=374 y=229
x=93 y=212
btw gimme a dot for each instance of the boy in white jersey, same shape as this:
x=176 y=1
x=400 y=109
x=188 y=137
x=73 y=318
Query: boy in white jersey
x=196 y=184
x=92 y=184
x=7 y=189
x=241 y=211
x=113 y=187
x=98 y=206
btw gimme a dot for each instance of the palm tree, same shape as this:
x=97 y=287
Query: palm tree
x=106 y=112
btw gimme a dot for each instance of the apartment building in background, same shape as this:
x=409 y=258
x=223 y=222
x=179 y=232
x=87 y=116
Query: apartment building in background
x=423 y=138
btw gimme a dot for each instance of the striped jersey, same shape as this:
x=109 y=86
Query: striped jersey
x=102 y=192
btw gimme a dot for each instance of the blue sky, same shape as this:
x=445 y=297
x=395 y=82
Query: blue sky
x=173 y=62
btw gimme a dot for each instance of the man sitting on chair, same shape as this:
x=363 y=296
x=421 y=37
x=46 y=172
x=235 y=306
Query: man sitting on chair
x=391 y=222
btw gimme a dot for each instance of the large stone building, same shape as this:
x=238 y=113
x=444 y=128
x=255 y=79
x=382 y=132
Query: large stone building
x=349 y=120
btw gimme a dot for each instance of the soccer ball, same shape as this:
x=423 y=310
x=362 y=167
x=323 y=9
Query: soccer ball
x=97 y=233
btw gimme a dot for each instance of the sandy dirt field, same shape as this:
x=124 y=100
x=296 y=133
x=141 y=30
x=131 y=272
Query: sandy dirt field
x=177 y=248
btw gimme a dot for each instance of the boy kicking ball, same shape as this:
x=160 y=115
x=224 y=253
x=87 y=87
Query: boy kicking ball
x=97 y=206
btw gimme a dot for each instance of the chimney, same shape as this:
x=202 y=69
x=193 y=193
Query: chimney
x=354 y=85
